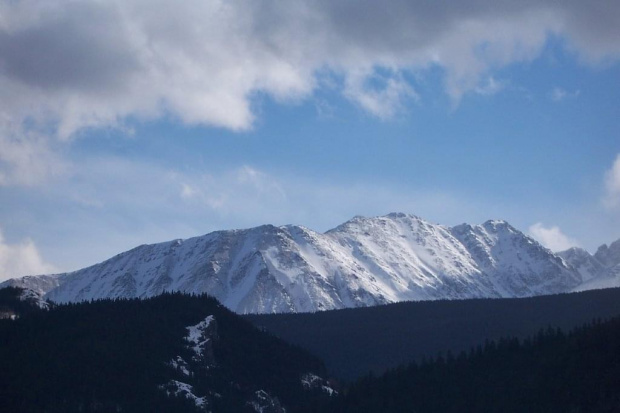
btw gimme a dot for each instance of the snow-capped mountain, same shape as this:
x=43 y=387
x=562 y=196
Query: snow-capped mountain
x=516 y=265
x=365 y=261
x=601 y=270
x=584 y=262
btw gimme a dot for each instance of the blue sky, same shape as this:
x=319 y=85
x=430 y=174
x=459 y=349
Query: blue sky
x=136 y=122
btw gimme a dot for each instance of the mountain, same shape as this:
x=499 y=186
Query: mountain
x=601 y=270
x=518 y=266
x=584 y=262
x=170 y=353
x=609 y=256
x=363 y=262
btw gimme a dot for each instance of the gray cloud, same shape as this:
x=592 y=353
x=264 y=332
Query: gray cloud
x=81 y=48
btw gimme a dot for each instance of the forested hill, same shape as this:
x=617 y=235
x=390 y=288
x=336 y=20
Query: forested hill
x=140 y=356
x=353 y=342
x=551 y=372
x=15 y=302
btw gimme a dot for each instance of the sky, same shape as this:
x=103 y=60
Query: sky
x=124 y=122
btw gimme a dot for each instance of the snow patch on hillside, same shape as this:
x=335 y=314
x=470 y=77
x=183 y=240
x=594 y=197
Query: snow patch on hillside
x=263 y=402
x=311 y=381
x=180 y=389
x=196 y=336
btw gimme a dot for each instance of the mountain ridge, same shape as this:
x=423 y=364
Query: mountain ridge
x=599 y=270
x=291 y=268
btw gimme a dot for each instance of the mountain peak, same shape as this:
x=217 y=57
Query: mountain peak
x=497 y=224
x=492 y=226
x=402 y=215
x=391 y=221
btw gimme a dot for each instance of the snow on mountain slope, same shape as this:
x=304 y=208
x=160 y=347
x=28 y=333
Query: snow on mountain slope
x=365 y=261
x=610 y=278
x=515 y=264
x=38 y=284
x=402 y=257
x=609 y=256
x=607 y=274
x=587 y=265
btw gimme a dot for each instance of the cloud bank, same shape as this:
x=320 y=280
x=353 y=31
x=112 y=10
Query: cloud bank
x=72 y=64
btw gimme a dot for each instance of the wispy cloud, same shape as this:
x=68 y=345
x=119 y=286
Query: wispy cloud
x=382 y=96
x=552 y=237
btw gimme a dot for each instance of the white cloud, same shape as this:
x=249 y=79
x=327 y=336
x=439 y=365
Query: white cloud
x=612 y=185
x=552 y=237
x=67 y=65
x=384 y=100
x=21 y=259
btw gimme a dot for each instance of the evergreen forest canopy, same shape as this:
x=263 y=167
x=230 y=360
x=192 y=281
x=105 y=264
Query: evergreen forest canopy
x=113 y=355
x=551 y=372
x=13 y=304
x=353 y=342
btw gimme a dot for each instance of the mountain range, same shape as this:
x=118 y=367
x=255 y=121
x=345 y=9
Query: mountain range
x=363 y=262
